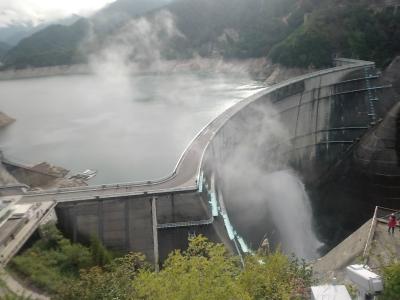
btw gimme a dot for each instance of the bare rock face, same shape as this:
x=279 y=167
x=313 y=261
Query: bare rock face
x=46 y=168
x=5 y=120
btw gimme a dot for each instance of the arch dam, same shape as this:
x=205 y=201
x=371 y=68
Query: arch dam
x=327 y=114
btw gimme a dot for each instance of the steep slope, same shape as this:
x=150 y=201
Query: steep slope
x=228 y=28
x=54 y=45
x=294 y=33
x=361 y=29
x=60 y=44
x=15 y=32
x=116 y=14
x=234 y=28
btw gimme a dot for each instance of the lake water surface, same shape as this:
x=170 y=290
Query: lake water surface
x=129 y=129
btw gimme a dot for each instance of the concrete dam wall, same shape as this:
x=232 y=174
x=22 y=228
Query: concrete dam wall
x=315 y=125
x=321 y=118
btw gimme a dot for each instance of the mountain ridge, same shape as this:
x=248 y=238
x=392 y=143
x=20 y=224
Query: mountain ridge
x=294 y=33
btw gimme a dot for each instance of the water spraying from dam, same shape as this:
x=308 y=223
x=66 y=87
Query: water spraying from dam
x=264 y=196
x=287 y=198
x=274 y=205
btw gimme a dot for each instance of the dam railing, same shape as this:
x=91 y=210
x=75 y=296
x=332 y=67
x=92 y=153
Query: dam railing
x=381 y=214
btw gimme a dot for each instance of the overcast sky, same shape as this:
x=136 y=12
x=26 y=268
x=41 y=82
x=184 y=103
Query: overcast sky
x=37 y=11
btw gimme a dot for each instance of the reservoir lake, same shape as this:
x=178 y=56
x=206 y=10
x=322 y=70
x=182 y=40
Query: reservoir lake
x=127 y=128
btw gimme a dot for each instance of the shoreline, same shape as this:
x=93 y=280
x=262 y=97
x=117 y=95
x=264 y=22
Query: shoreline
x=259 y=69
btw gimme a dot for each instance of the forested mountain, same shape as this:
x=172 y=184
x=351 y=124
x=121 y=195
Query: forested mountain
x=15 y=32
x=229 y=28
x=54 y=45
x=355 y=29
x=234 y=28
x=291 y=32
x=62 y=44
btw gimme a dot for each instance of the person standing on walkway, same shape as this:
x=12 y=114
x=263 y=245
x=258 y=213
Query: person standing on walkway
x=392 y=223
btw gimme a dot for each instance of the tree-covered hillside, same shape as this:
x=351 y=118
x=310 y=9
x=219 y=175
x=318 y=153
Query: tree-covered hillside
x=234 y=28
x=295 y=33
x=54 y=45
x=67 y=44
x=349 y=29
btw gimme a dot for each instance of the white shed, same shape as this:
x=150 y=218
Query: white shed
x=329 y=292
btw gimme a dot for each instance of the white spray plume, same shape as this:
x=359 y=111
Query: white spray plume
x=262 y=190
x=137 y=45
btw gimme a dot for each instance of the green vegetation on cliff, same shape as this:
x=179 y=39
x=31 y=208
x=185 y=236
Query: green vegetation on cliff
x=350 y=30
x=295 y=33
x=233 y=28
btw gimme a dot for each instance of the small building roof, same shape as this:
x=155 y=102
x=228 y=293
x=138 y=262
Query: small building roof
x=329 y=292
x=21 y=209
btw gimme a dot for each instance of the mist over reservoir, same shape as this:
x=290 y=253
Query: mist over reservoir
x=129 y=129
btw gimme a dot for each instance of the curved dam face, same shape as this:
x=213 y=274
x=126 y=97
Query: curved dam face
x=309 y=129
x=241 y=179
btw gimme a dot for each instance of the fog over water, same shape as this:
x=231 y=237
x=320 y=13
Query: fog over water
x=128 y=131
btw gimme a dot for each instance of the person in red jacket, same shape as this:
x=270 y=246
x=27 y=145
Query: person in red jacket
x=392 y=223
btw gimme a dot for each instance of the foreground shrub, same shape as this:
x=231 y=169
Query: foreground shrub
x=391 y=275
x=204 y=271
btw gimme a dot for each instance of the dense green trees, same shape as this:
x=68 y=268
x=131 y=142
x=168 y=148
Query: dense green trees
x=53 y=260
x=304 y=48
x=350 y=30
x=228 y=28
x=204 y=271
x=232 y=29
